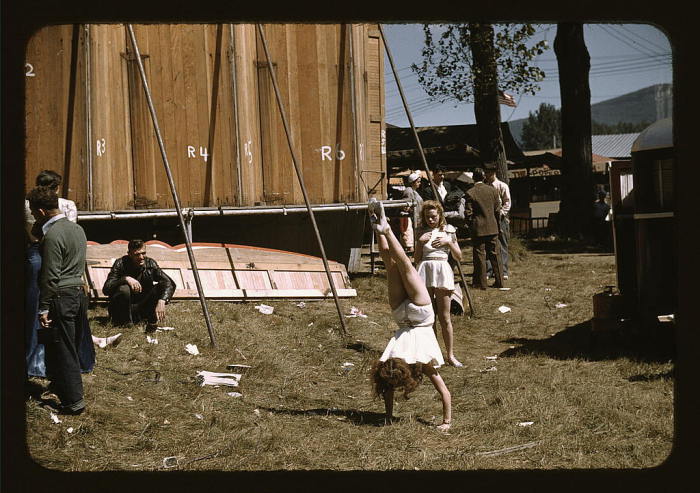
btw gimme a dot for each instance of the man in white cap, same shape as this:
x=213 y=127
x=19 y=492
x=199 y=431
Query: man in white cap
x=411 y=193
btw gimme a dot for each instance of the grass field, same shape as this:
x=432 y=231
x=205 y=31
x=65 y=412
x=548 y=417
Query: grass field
x=534 y=393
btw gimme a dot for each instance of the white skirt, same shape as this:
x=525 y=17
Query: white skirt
x=414 y=345
x=437 y=274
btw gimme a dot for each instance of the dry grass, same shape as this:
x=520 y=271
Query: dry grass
x=591 y=407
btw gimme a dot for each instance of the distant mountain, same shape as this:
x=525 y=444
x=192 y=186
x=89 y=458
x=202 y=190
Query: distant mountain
x=645 y=105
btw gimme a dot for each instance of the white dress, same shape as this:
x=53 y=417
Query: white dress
x=434 y=269
x=414 y=341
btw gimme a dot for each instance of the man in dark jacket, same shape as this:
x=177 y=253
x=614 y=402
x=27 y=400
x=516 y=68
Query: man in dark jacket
x=483 y=207
x=62 y=300
x=137 y=288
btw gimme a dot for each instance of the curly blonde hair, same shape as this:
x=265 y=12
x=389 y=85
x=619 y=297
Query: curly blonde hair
x=395 y=374
x=433 y=204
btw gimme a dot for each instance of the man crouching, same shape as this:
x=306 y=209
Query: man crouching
x=137 y=288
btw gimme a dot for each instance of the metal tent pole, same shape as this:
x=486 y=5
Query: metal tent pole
x=422 y=155
x=188 y=240
x=301 y=178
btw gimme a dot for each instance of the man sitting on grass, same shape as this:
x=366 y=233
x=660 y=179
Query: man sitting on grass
x=137 y=288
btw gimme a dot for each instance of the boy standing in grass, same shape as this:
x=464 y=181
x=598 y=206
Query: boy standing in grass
x=62 y=300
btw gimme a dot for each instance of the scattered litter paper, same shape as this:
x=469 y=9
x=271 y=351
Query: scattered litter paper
x=526 y=423
x=70 y=429
x=151 y=340
x=560 y=305
x=166 y=422
x=257 y=412
x=547 y=289
x=198 y=416
x=666 y=318
x=192 y=349
x=301 y=304
x=355 y=312
x=347 y=364
x=503 y=309
x=54 y=418
x=504 y=289
x=160 y=329
x=212 y=378
x=265 y=309
x=310 y=324
x=169 y=462
x=234 y=394
x=492 y=357
x=129 y=398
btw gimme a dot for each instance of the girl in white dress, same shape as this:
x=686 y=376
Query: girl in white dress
x=434 y=244
x=413 y=351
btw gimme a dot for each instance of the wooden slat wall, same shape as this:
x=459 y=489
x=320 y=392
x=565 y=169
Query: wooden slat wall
x=191 y=77
x=376 y=146
x=55 y=108
x=109 y=119
x=248 y=115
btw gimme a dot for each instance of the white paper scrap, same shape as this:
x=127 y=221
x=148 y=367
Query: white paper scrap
x=492 y=357
x=526 y=423
x=504 y=289
x=265 y=309
x=666 y=318
x=503 y=309
x=192 y=349
x=493 y=368
x=347 y=364
x=198 y=416
x=212 y=378
x=55 y=419
x=70 y=429
x=170 y=462
x=301 y=304
x=234 y=394
x=257 y=412
x=129 y=398
x=151 y=340
x=560 y=305
x=355 y=312
x=159 y=329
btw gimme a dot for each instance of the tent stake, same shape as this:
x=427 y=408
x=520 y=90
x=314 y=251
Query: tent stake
x=301 y=179
x=422 y=155
x=188 y=240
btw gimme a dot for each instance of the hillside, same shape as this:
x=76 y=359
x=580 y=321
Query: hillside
x=649 y=104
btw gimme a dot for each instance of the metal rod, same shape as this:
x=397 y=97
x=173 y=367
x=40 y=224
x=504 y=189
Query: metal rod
x=301 y=179
x=173 y=190
x=231 y=211
x=422 y=155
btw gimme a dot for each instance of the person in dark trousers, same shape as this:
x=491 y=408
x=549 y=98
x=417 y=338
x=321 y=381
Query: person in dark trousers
x=137 y=288
x=483 y=207
x=62 y=299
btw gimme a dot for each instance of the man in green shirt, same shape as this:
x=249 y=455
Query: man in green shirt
x=62 y=300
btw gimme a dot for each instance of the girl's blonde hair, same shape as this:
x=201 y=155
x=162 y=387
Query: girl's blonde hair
x=433 y=204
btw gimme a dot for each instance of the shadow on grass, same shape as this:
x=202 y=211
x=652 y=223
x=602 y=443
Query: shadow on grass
x=361 y=347
x=360 y=418
x=578 y=342
x=537 y=245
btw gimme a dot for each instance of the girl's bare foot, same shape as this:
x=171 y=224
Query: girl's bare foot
x=454 y=362
x=444 y=426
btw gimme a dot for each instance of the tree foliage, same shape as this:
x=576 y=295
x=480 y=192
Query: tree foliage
x=542 y=130
x=448 y=69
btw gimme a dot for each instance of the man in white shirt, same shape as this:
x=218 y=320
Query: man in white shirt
x=504 y=222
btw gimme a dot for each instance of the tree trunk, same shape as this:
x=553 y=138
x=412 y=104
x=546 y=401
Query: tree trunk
x=576 y=208
x=486 y=107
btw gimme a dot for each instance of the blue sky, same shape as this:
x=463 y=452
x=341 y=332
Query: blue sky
x=624 y=58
